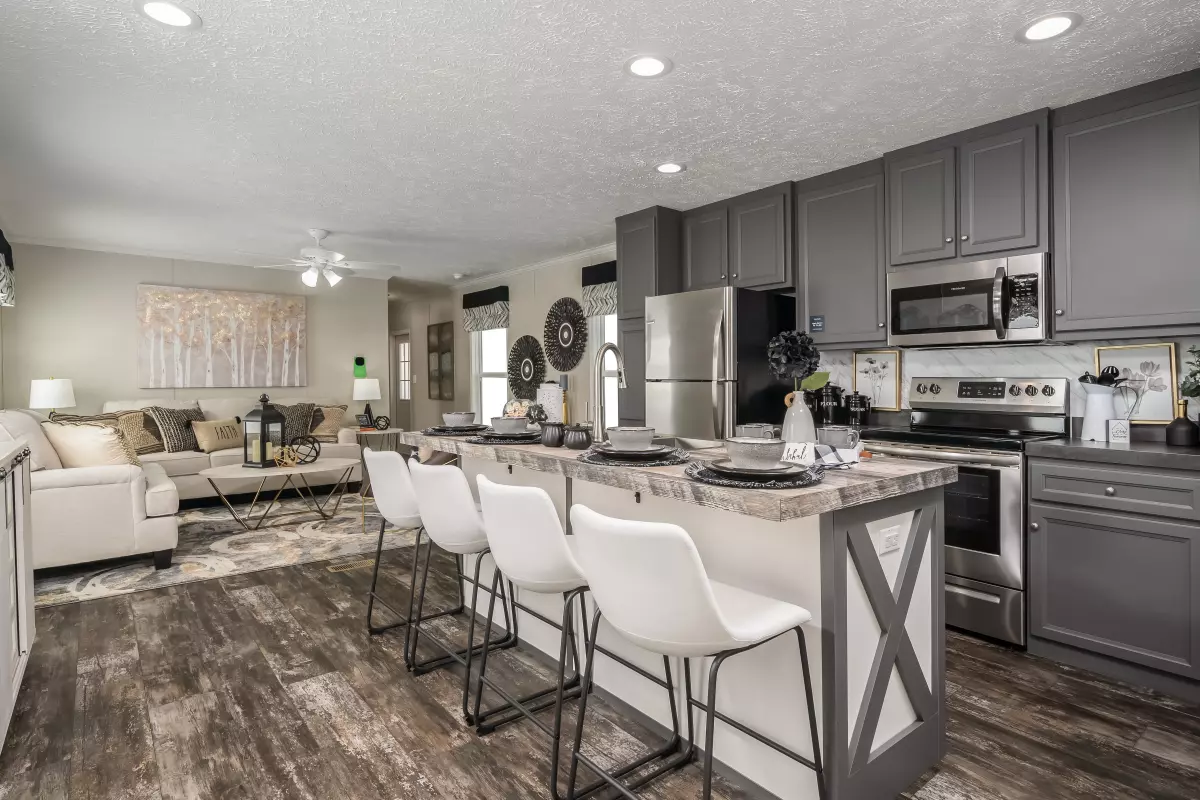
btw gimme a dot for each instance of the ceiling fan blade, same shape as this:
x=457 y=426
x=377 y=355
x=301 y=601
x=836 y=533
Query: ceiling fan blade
x=289 y=267
x=341 y=272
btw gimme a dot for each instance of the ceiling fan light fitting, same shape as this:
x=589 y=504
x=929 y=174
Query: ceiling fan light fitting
x=332 y=278
x=310 y=277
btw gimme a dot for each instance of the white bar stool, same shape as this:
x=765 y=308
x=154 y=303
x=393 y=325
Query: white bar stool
x=454 y=524
x=649 y=583
x=398 y=505
x=533 y=554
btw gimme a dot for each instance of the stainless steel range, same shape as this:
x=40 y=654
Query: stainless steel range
x=982 y=425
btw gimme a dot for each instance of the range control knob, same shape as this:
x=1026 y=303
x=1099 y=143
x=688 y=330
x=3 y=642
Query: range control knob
x=1014 y=390
x=1031 y=390
x=921 y=388
x=935 y=389
x=1048 y=390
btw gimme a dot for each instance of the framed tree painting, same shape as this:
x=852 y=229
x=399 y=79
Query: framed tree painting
x=439 y=340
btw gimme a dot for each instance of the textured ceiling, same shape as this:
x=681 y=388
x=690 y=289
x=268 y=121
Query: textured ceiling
x=471 y=136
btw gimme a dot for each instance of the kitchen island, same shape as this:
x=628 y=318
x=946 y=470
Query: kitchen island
x=878 y=662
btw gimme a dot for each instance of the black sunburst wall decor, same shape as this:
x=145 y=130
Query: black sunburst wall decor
x=565 y=336
x=526 y=368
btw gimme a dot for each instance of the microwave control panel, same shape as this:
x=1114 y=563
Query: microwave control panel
x=1023 y=307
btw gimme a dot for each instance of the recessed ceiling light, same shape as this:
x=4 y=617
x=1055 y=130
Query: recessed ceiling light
x=171 y=15
x=1050 y=26
x=671 y=168
x=648 y=66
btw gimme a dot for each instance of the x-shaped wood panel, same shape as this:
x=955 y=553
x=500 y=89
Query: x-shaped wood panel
x=895 y=647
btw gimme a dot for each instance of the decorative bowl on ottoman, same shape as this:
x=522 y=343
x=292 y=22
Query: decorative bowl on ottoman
x=630 y=438
x=751 y=452
x=509 y=424
x=458 y=419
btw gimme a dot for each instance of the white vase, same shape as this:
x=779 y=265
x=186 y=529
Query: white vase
x=1098 y=409
x=550 y=397
x=798 y=425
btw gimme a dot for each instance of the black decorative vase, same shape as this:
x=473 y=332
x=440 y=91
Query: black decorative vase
x=578 y=436
x=1182 y=432
x=552 y=434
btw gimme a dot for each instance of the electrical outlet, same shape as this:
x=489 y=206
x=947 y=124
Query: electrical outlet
x=889 y=539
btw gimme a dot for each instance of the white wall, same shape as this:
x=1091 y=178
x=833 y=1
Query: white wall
x=75 y=318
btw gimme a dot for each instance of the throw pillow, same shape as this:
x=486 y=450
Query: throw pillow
x=297 y=420
x=89 y=444
x=138 y=428
x=327 y=421
x=26 y=426
x=175 y=425
x=217 y=434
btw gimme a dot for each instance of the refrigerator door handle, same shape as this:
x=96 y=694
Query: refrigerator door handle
x=718 y=347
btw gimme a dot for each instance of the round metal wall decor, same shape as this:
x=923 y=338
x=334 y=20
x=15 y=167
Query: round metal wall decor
x=526 y=367
x=306 y=448
x=566 y=334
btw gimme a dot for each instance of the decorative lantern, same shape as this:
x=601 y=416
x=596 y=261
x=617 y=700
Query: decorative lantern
x=263 y=435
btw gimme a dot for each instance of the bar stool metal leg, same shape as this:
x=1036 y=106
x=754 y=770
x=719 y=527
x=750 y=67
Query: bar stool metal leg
x=373 y=597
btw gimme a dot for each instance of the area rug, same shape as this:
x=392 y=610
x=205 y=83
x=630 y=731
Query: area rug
x=213 y=545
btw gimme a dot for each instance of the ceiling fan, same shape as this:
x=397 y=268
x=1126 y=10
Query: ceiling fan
x=318 y=260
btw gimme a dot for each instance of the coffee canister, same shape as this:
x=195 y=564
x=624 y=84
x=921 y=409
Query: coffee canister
x=858 y=409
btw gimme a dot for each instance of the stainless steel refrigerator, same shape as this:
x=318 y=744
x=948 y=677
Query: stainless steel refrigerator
x=706 y=361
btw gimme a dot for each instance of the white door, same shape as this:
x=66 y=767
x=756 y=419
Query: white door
x=402 y=391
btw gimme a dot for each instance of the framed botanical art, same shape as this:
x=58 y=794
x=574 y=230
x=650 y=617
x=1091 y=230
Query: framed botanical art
x=877 y=375
x=1149 y=392
x=440 y=349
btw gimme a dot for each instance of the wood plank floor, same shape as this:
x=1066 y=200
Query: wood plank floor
x=267 y=686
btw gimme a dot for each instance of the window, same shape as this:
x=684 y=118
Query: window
x=404 y=370
x=601 y=330
x=489 y=372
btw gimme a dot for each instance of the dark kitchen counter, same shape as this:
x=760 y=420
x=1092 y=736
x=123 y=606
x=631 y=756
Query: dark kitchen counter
x=1135 y=454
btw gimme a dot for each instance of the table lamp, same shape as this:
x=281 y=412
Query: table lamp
x=51 y=393
x=367 y=389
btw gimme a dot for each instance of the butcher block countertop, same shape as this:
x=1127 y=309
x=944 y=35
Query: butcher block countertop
x=869 y=481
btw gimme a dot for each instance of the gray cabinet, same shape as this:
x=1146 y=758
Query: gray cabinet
x=647 y=258
x=971 y=195
x=1126 y=238
x=840 y=246
x=1160 y=492
x=744 y=242
x=921 y=207
x=631 y=401
x=1118 y=585
x=706 y=247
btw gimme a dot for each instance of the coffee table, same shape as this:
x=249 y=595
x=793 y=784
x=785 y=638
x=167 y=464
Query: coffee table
x=289 y=474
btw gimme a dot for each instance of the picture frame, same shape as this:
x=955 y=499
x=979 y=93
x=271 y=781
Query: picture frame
x=877 y=374
x=364 y=421
x=1151 y=390
x=439 y=340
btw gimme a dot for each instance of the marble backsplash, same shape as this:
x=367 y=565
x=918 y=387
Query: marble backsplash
x=1010 y=361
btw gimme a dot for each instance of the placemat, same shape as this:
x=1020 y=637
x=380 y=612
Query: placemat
x=699 y=472
x=481 y=440
x=672 y=459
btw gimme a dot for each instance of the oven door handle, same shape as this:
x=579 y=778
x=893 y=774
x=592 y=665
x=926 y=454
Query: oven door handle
x=998 y=284
x=981 y=459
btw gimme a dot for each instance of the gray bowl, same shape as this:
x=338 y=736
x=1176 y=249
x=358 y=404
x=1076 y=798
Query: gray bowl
x=630 y=438
x=458 y=419
x=752 y=452
x=509 y=424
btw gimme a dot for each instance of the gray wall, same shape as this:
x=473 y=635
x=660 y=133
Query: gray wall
x=75 y=318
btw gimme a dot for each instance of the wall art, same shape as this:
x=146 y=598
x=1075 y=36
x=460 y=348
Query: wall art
x=1149 y=393
x=877 y=375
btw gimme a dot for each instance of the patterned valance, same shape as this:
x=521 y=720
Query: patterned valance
x=600 y=289
x=8 y=286
x=485 y=310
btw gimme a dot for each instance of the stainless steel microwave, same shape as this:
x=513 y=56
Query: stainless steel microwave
x=983 y=302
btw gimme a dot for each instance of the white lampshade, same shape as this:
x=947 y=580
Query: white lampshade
x=366 y=389
x=51 y=393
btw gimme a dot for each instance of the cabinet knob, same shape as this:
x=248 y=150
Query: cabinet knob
x=882 y=324
x=735 y=274
x=1110 y=491
x=949 y=239
x=722 y=277
x=963 y=237
x=1058 y=312
x=1033 y=526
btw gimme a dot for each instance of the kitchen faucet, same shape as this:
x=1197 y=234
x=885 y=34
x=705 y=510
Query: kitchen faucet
x=597 y=404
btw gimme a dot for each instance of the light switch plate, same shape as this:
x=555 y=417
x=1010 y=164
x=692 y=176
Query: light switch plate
x=888 y=540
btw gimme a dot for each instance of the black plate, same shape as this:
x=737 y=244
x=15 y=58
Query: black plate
x=490 y=434
x=460 y=428
x=606 y=449
x=726 y=467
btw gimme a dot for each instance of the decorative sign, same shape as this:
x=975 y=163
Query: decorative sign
x=816 y=323
x=1118 y=431
x=802 y=453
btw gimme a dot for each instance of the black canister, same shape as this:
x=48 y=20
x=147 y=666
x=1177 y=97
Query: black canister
x=578 y=436
x=858 y=409
x=552 y=434
x=828 y=408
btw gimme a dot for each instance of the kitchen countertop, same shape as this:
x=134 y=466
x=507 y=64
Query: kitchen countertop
x=868 y=482
x=1134 y=454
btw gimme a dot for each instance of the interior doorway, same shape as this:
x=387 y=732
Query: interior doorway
x=402 y=377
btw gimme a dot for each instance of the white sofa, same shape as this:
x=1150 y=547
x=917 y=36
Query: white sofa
x=86 y=514
x=184 y=468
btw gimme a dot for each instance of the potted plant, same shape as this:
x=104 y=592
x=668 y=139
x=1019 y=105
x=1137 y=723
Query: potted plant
x=1182 y=432
x=794 y=355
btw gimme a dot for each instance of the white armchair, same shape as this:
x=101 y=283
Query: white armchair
x=92 y=513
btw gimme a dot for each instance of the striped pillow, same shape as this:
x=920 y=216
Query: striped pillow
x=175 y=425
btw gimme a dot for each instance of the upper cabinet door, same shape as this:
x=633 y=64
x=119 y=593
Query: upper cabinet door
x=998 y=191
x=921 y=208
x=840 y=240
x=636 y=260
x=1126 y=214
x=760 y=236
x=706 y=248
